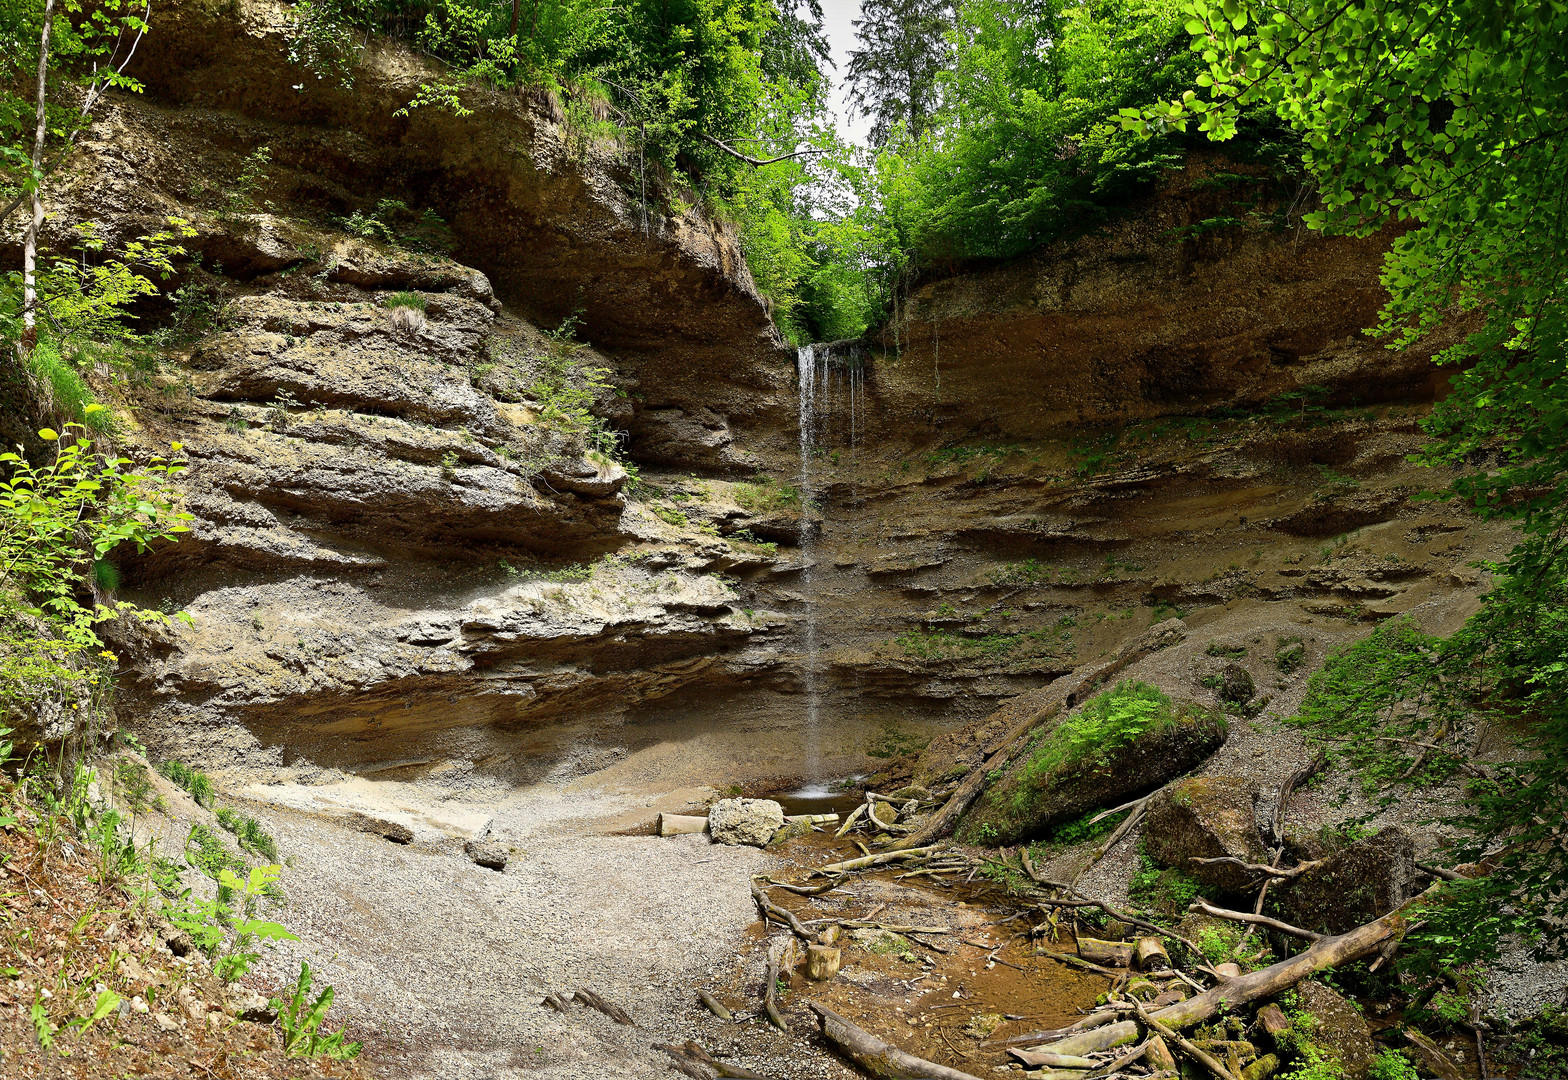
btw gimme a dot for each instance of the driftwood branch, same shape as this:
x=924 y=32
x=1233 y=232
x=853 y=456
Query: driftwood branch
x=759 y=162
x=1260 y=868
x=946 y=819
x=594 y=1001
x=714 y=1006
x=770 y=910
x=1192 y=1051
x=881 y=1059
x=770 y=992
x=1247 y=917
x=868 y=861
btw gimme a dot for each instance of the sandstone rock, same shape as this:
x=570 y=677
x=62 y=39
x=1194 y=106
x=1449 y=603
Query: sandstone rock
x=486 y=853
x=1030 y=800
x=252 y=1005
x=1236 y=684
x=1207 y=817
x=391 y=830
x=744 y=821
x=1339 y=1029
x=1364 y=881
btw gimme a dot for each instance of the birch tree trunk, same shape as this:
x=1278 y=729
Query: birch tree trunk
x=30 y=241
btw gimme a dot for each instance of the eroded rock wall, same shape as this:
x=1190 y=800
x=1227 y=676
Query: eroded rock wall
x=410 y=561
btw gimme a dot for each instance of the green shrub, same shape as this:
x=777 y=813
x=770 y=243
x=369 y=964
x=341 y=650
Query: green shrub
x=67 y=389
x=1393 y=1065
x=1167 y=891
x=193 y=781
x=248 y=831
x=764 y=495
x=1108 y=722
x=301 y=1019
x=405 y=300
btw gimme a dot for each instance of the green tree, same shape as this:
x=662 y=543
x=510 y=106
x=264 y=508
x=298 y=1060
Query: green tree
x=1447 y=119
x=894 y=74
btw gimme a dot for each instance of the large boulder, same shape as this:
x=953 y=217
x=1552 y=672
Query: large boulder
x=1355 y=885
x=744 y=821
x=1338 y=1030
x=1207 y=817
x=1122 y=742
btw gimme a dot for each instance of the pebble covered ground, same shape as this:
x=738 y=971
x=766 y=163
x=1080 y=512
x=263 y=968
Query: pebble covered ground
x=441 y=965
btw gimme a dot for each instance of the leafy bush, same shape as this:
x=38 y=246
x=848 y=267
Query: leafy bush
x=1167 y=891
x=68 y=394
x=1107 y=722
x=301 y=1020
x=1392 y=1065
x=192 y=780
x=248 y=831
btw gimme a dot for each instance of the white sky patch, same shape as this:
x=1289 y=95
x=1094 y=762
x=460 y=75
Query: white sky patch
x=837 y=17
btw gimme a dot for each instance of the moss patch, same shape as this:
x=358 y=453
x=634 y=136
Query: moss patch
x=1130 y=738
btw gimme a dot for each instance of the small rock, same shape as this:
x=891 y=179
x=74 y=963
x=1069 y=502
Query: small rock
x=744 y=821
x=249 y=1004
x=1207 y=817
x=391 y=830
x=163 y=1021
x=1236 y=684
x=486 y=853
x=981 y=1026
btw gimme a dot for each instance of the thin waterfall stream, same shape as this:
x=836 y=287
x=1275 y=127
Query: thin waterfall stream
x=822 y=377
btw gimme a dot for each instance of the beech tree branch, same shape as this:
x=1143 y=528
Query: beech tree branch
x=1248 y=917
x=759 y=162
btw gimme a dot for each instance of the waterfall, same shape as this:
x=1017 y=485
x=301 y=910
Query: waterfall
x=806 y=366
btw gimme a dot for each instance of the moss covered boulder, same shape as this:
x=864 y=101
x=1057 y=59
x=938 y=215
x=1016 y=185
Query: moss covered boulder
x=1361 y=882
x=1330 y=1031
x=1206 y=817
x=1125 y=741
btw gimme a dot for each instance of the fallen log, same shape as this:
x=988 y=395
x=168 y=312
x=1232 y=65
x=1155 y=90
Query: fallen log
x=881 y=1059
x=1050 y=1060
x=714 y=1006
x=885 y=826
x=696 y=1052
x=1151 y=955
x=1112 y=953
x=681 y=824
x=849 y=822
x=866 y=861
x=946 y=819
x=804 y=890
x=770 y=992
x=1207 y=908
x=1172 y=1036
x=783 y=915
x=811 y=819
x=594 y=1001
x=1437 y=1063
x=1035 y=1038
x=685 y=1065
x=1266 y=982
x=1073 y=961
x=1115 y=838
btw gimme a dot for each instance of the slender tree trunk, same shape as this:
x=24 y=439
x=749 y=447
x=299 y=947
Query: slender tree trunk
x=30 y=242
x=517 y=7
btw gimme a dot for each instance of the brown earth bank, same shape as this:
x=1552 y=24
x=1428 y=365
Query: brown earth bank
x=532 y=551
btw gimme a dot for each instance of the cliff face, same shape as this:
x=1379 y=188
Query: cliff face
x=410 y=560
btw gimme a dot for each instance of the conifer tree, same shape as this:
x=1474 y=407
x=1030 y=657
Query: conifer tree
x=893 y=75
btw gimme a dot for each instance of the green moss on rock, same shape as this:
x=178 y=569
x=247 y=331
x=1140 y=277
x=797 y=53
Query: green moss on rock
x=1128 y=739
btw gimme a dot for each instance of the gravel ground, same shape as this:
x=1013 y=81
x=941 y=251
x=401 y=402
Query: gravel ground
x=440 y=965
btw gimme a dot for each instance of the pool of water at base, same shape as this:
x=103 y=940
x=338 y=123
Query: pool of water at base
x=819 y=798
